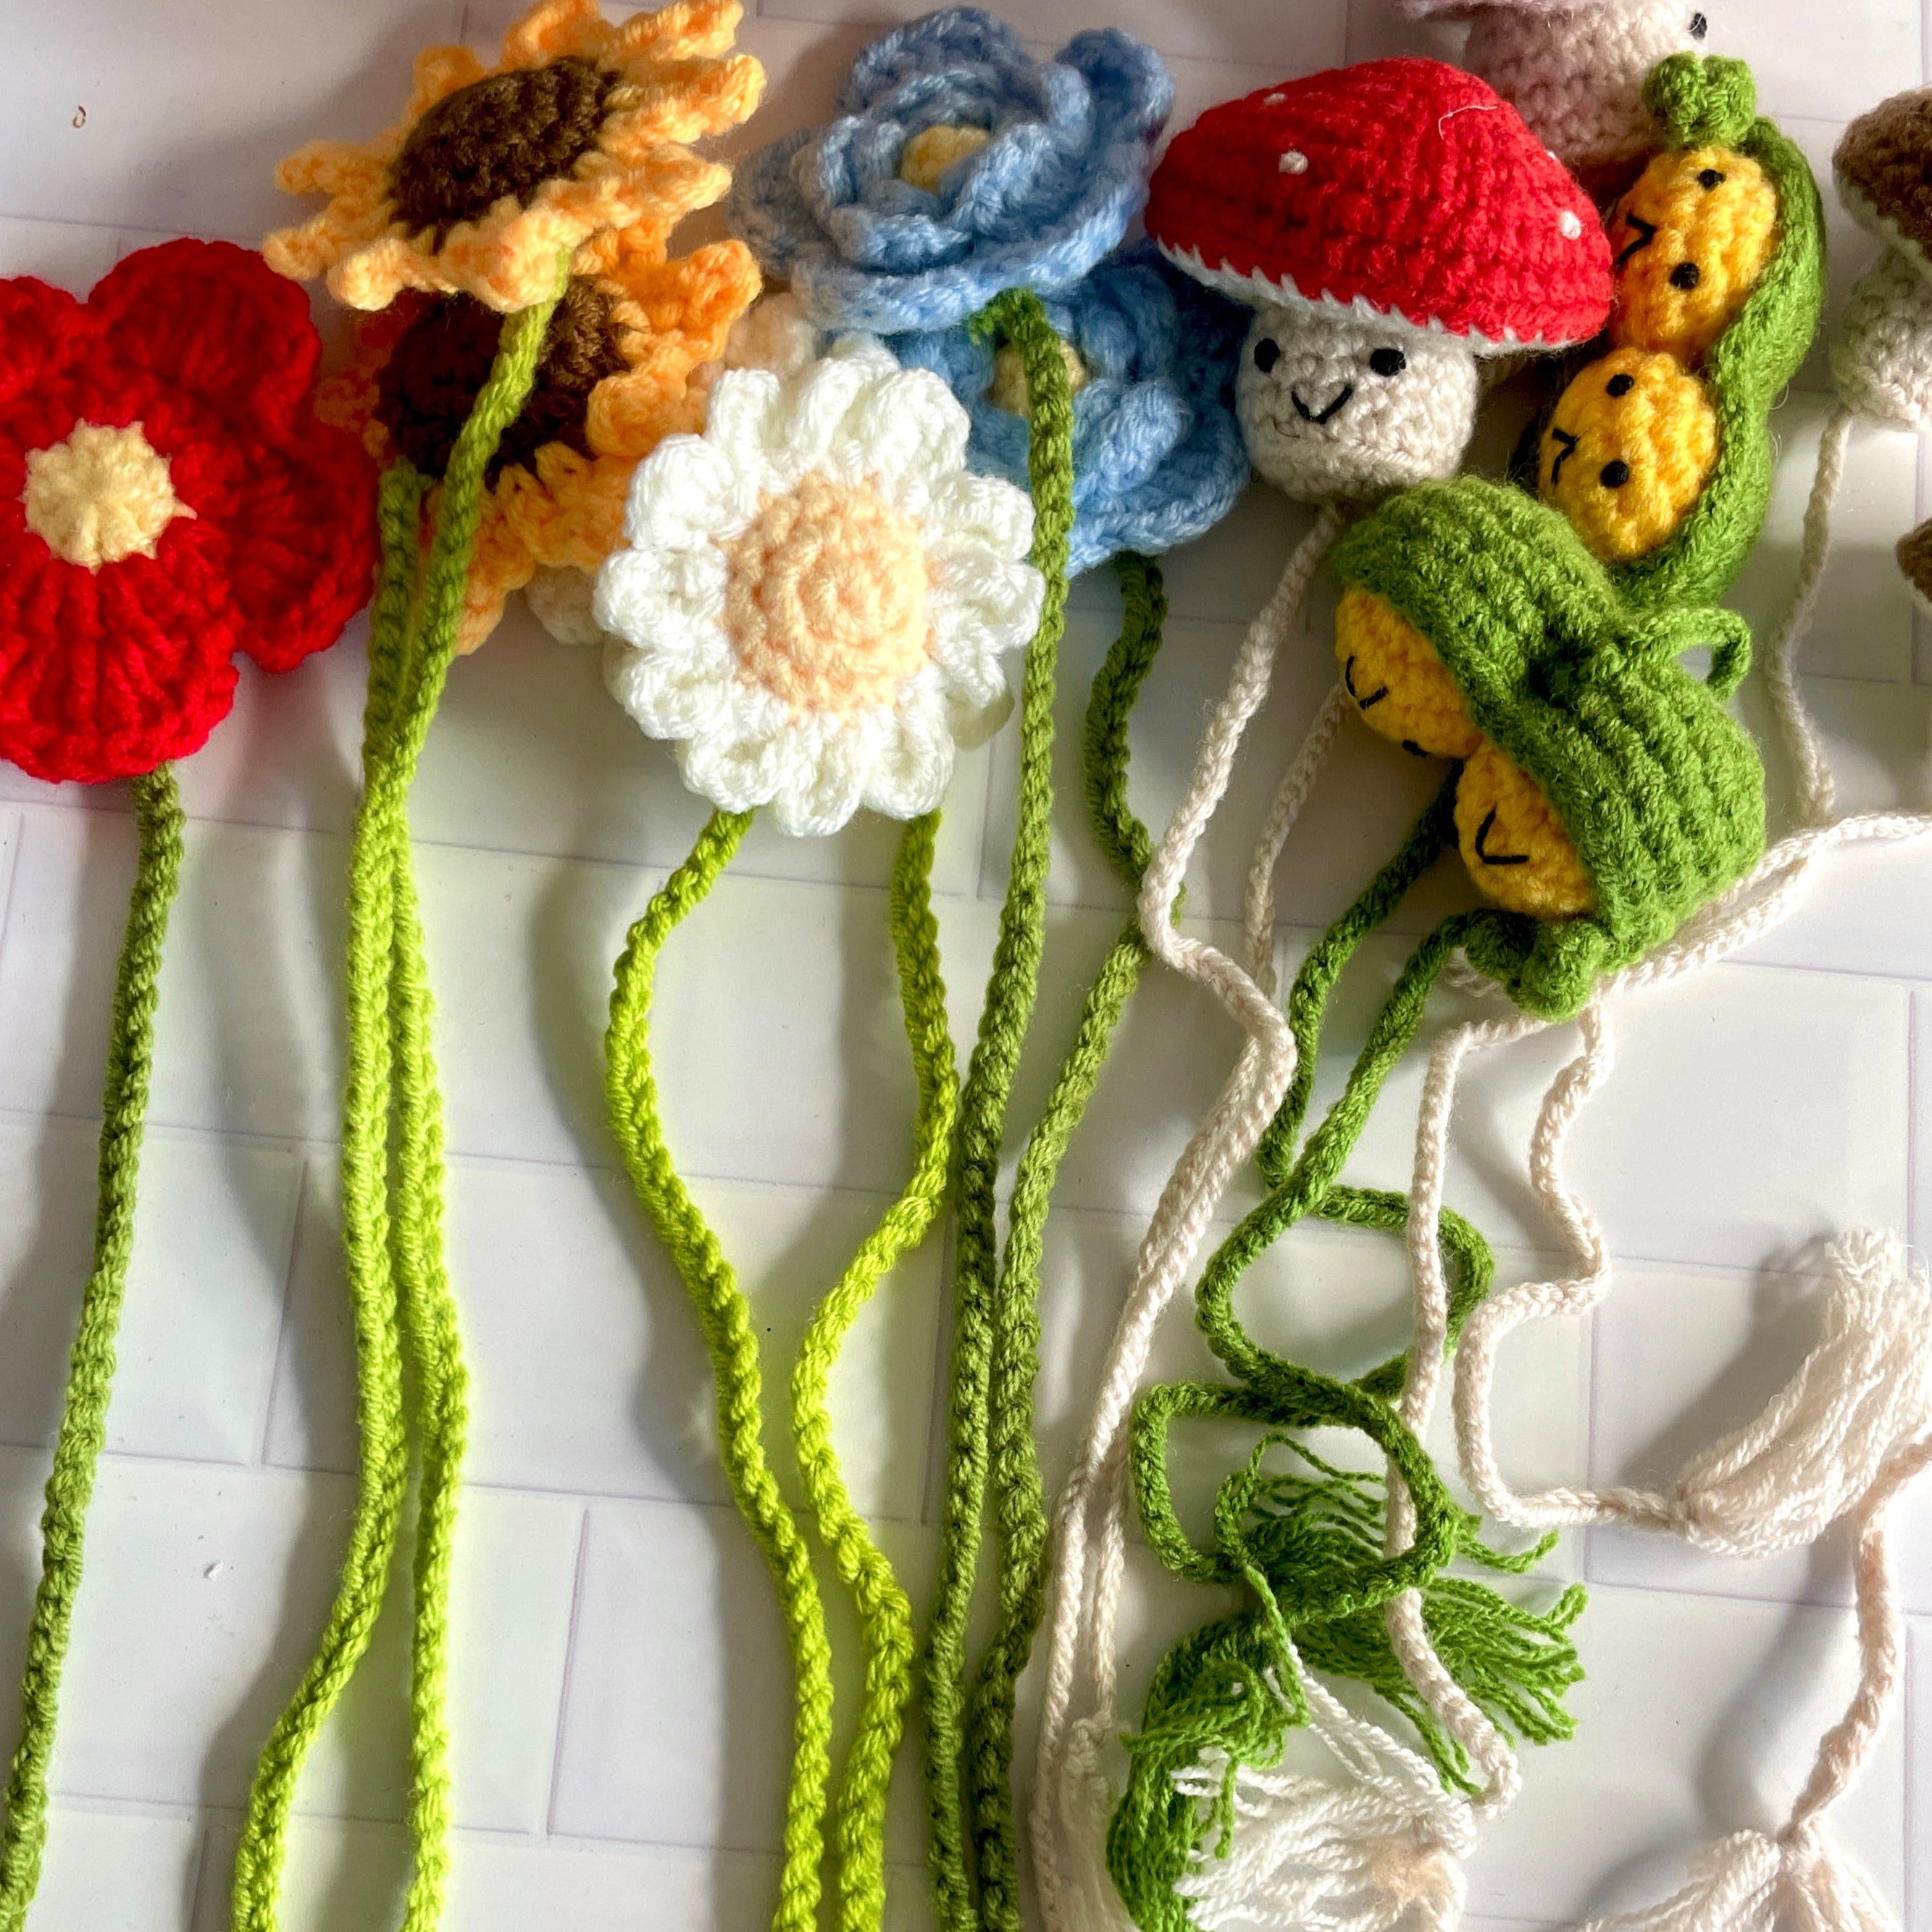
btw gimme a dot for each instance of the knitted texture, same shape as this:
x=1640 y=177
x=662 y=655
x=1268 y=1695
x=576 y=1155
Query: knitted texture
x=83 y=1426
x=1574 y=69
x=1011 y=990
x=869 y=236
x=885 y=1614
x=1631 y=448
x=580 y=128
x=625 y=365
x=1656 y=792
x=391 y=1181
x=1312 y=1549
x=731 y=1335
x=1013 y=1453
x=1157 y=454
x=1477 y=231
x=1687 y=236
x=1882 y=361
x=815 y=595
x=1880 y=174
x=166 y=499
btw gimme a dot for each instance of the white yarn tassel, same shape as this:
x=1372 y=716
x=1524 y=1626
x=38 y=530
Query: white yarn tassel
x=1387 y=1848
x=1818 y=1446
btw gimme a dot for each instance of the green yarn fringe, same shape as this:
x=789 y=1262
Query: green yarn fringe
x=1311 y=1549
x=731 y=1335
x=1017 y=316
x=83 y=1426
x=392 y=1177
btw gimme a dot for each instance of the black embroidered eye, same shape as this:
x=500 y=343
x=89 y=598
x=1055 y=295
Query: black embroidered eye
x=1268 y=353
x=1699 y=26
x=1388 y=362
x=1712 y=177
x=1686 y=276
x=1622 y=383
x=1616 y=475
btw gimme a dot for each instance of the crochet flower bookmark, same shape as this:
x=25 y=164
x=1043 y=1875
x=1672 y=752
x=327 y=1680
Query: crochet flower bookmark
x=171 y=500
x=813 y=604
x=532 y=202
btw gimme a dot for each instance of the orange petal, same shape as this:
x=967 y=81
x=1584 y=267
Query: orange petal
x=330 y=167
x=549 y=30
x=678 y=31
x=708 y=99
x=440 y=73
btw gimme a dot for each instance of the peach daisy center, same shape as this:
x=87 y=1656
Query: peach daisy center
x=502 y=136
x=825 y=597
x=101 y=495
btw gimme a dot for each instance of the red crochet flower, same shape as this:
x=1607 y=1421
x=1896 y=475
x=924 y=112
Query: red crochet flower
x=167 y=498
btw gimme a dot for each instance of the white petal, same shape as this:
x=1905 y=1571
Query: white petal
x=967 y=511
x=669 y=699
x=668 y=602
x=822 y=773
x=973 y=719
x=737 y=767
x=685 y=493
x=1000 y=600
x=744 y=421
x=818 y=409
x=561 y=600
x=911 y=769
x=907 y=432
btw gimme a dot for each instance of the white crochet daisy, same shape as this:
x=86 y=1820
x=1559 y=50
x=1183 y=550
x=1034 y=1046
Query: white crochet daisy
x=816 y=595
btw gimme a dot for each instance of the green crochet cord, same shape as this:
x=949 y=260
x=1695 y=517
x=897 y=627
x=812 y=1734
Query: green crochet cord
x=1019 y=1502
x=392 y=1180
x=83 y=1426
x=1311 y=1550
x=1016 y=315
x=885 y=1613
x=731 y=1335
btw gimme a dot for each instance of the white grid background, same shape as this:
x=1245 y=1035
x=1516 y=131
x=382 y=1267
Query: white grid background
x=620 y=1700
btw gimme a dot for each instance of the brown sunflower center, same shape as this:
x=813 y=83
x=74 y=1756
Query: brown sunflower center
x=506 y=134
x=431 y=380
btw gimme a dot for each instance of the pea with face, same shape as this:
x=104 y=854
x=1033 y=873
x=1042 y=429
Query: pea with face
x=1401 y=690
x=1513 y=842
x=1690 y=241
x=1629 y=449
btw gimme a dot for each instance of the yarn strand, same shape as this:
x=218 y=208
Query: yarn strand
x=1010 y=992
x=83 y=1426
x=1015 y=1462
x=885 y=1612
x=412 y=641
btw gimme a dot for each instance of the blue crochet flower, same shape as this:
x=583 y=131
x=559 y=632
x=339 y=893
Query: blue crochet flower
x=1158 y=458
x=962 y=166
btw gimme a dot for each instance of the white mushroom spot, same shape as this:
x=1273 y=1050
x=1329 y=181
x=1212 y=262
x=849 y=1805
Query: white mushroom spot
x=1295 y=162
x=1570 y=224
x=1272 y=100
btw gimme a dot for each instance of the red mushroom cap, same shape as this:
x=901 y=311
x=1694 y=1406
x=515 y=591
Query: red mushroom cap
x=1400 y=191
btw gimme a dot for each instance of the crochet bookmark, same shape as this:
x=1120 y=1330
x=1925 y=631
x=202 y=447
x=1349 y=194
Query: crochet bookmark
x=179 y=502
x=813 y=604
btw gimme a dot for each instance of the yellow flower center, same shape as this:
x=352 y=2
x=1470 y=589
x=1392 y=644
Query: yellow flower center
x=1009 y=391
x=930 y=153
x=825 y=599
x=101 y=495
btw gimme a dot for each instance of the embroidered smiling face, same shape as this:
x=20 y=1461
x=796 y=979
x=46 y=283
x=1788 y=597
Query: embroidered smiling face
x=1628 y=452
x=1333 y=407
x=1402 y=689
x=1691 y=238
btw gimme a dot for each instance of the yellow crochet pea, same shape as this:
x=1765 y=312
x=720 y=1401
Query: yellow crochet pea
x=1691 y=238
x=1401 y=688
x=1513 y=842
x=1628 y=452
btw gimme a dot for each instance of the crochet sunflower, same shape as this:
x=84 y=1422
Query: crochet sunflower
x=493 y=172
x=615 y=378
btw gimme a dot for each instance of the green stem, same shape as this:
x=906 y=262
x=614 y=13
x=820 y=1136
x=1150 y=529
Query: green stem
x=397 y=1284
x=885 y=1613
x=730 y=1335
x=1018 y=1494
x=1003 y=1019
x=83 y=1427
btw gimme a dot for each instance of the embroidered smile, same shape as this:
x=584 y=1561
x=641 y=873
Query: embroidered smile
x=1362 y=703
x=1328 y=414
